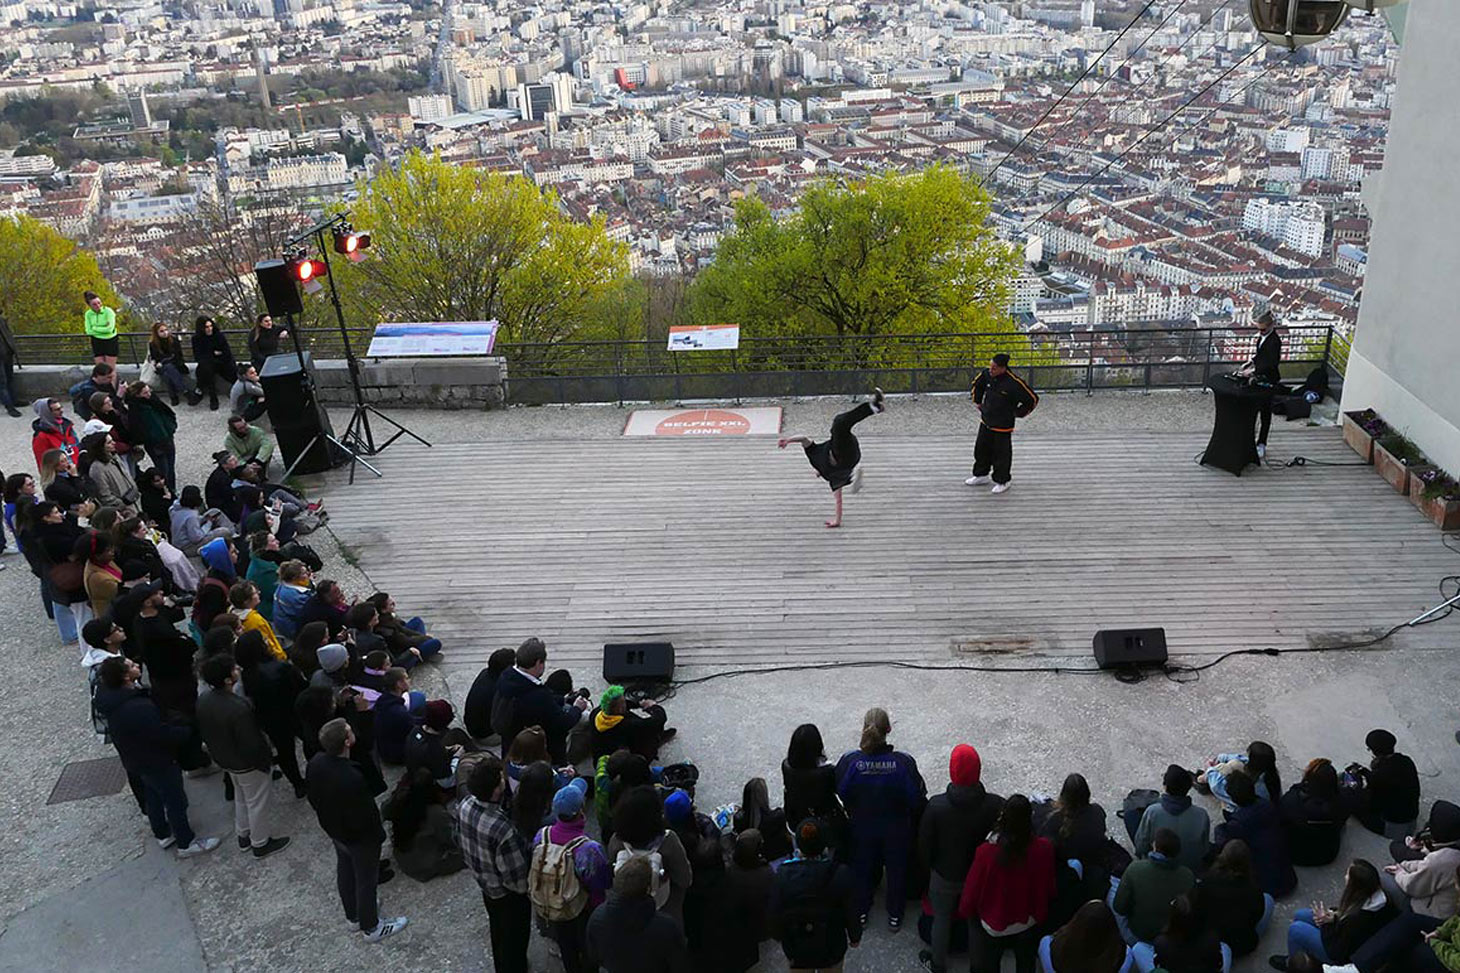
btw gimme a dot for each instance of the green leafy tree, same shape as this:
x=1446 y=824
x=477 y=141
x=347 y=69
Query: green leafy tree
x=42 y=277
x=892 y=254
x=457 y=244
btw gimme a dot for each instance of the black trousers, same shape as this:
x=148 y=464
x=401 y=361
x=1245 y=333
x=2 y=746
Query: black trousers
x=509 y=920
x=993 y=451
x=844 y=445
x=986 y=953
x=572 y=940
x=282 y=735
x=357 y=871
x=1264 y=419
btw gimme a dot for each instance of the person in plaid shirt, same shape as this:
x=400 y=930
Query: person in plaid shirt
x=499 y=857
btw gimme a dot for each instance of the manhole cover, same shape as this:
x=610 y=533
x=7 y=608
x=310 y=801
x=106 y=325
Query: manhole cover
x=81 y=779
x=993 y=644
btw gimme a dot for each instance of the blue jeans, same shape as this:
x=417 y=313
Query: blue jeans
x=167 y=804
x=1121 y=922
x=429 y=647
x=1266 y=920
x=883 y=844
x=1304 y=936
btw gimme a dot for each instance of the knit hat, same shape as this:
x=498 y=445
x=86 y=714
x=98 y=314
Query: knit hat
x=677 y=807
x=1380 y=741
x=609 y=695
x=439 y=714
x=568 y=803
x=332 y=657
x=964 y=766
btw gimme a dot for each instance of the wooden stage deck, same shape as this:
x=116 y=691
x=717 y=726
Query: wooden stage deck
x=718 y=546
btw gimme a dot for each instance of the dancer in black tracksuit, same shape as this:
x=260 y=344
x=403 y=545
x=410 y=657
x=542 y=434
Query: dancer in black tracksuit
x=1001 y=397
x=836 y=460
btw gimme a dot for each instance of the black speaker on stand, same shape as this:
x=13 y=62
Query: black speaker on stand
x=281 y=294
x=301 y=425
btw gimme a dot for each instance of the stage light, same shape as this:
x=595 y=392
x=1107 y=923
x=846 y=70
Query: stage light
x=304 y=270
x=350 y=243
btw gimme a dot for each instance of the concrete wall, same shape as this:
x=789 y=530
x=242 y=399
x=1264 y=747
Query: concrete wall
x=1406 y=354
x=439 y=383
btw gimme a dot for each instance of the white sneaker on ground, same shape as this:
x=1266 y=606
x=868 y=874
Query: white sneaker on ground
x=200 y=846
x=856 y=485
x=878 y=400
x=166 y=843
x=999 y=488
x=978 y=480
x=387 y=927
x=1262 y=451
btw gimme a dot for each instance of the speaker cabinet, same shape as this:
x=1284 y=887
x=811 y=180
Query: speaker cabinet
x=1117 y=648
x=281 y=294
x=296 y=414
x=626 y=662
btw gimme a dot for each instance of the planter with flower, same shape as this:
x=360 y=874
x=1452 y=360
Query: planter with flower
x=1394 y=455
x=1360 y=429
x=1437 y=495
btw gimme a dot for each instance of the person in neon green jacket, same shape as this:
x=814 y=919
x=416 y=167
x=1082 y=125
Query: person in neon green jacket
x=101 y=327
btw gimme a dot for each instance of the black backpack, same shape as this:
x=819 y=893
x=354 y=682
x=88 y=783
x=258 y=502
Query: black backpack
x=811 y=924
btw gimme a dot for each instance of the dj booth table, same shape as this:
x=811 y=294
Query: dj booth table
x=1233 y=446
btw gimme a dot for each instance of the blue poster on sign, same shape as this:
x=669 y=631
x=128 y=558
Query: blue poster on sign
x=429 y=339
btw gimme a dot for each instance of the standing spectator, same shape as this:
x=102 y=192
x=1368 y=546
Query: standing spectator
x=343 y=801
x=1237 y=910
x=235 y=741
x=8 y=356
x=1313 y=815
x=213 y=357
x=1256 y=822
x=1390 y=804
x=1008 y=891
x=248 y=444
x=814 y=909
x=60 y=482
x=52 y=430
x=264 y=339
x=809 y=784
x=148 y=746
x=243 y=597
x=1175 y=811
x=111 y=481
x=55 y=537
x=523 y=700
x=882 y=791
x=477 y=715
x=747 y=902
x=167 y=652
x=165 y=350
x=153 y=425
x=101 y=327
x=246 y=396
x=628 y=934
x=273 y=685
x=1142 y=900
x=422 y=832
x=565 y=845
x=955 y=823
x=615 y=726
x=639 y=830
x=499 y=858
x=101 y=574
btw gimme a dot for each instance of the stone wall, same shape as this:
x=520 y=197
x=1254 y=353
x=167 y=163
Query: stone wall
x=438 y=383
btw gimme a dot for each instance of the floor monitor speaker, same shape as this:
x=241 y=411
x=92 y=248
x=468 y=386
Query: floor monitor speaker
x=625 y=662
x=1117 y=648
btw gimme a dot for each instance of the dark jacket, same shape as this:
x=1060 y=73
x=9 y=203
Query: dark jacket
x=1313 y=825
x=433 y=850
x=1342 y=937
x=477 y=714
x=1259 y=825
x=274 y=686
x=746 y=915
x=533 y=704
x=150 y=422
x=813 y=912
x=1202 y=954
x=144 y=552
x=630 y=936
x=393 y=724
x=1233 y=907
x=955 y=823
x=1002 y=400
x=168 y=352
x=144 y=740
x=156 y=507
x=262 y=342
x=231 y=731
x=218 y=493
x=811 y=793
x=399 y=638
x=212 y=349
x=1267 y=356
x=1393 y=786
x=426 y=749
x=82 y=392
x=881 y=786
x=69 y=492
x=342 y=800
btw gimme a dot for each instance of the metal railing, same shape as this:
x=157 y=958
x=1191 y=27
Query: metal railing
x=630 y=371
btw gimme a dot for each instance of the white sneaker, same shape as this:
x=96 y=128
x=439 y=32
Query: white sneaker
x=978 y=480
x=856 y=485
x=1262 y=450
x=387 y=927
x=999 y=488
x=200 y=846
x=166 y=843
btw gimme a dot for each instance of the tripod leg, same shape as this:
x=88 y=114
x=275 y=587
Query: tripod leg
x=402 y=428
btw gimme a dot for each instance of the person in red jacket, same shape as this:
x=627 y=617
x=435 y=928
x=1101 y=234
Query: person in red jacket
x=52 y=430
x=1008 y=891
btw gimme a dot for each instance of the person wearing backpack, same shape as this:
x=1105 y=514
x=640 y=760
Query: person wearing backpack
x=569 y=878
x=640 y=831
x=629 y=934
x=813 y=908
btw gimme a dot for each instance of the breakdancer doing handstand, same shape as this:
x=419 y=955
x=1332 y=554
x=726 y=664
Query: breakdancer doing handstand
x=836 y=460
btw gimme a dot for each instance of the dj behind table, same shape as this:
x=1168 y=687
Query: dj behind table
x=1233 y=445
